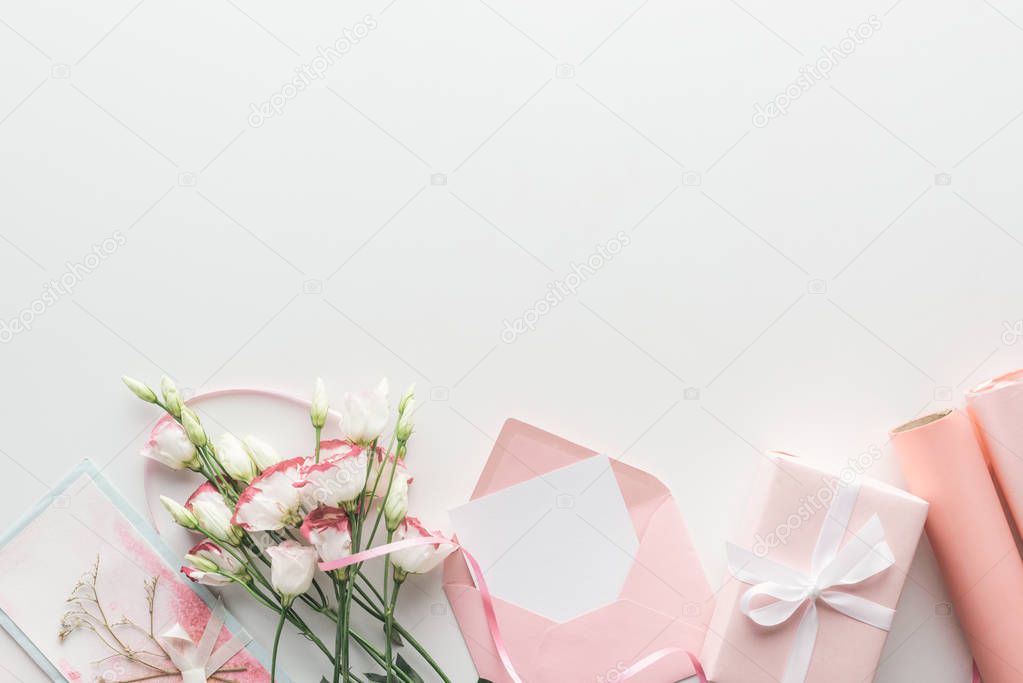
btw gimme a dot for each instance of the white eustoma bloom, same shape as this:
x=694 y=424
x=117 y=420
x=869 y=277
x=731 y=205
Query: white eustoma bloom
x=232 y=454
x=364 y=415
x=292 y=567
x=169 y=444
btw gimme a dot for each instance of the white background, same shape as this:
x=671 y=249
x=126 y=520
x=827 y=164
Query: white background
x=811 y=282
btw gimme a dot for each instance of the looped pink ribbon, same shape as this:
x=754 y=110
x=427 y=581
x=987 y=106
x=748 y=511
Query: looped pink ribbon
x=474 y=567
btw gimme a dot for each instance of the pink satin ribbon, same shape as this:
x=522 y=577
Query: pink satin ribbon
x=474 y=566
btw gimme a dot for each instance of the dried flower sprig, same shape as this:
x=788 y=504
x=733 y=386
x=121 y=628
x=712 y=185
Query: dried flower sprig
x=86 y=613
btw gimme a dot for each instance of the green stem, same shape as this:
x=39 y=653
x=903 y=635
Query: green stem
x=389 y=625
x=373 y=588
x=364 y=643
x=339 y=596
x=346 y=615
x=316 y=454
x=366 y=604
x=300 y=624
x=277 y=641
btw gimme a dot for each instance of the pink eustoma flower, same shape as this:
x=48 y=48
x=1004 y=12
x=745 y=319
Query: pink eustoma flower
x=271 y=501
x=168 y=444
x=337 y=478
x=292 y=567
x=418 y=559
x=210 y=565
x=204 y=577
x=328 y=530
x=214 y=516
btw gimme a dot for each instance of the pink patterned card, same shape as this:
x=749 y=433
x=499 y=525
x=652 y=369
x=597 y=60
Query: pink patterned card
x=92 y=593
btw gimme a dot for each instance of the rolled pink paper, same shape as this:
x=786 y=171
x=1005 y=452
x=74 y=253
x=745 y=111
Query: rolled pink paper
x=943 y=463
x=996 y=407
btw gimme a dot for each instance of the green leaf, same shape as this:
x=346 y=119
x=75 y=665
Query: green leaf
x=407 y=668
x=483 y=680
x=377 y=678
x=395 y=638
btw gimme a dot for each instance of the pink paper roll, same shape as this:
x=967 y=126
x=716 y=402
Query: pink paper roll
x=996 y=407
x=943 y=464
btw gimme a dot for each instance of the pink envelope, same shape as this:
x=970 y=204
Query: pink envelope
x=664 y=602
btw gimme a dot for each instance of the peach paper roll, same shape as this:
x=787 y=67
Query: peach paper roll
x=996 y=407
x=943 y=464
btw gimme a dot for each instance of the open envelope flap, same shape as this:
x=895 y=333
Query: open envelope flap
x=665 y=587
x=666 y=573
x=601 y=645
x=523 y=452
x=522 y=631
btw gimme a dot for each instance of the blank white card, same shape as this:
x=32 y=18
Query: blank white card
x=560 y=544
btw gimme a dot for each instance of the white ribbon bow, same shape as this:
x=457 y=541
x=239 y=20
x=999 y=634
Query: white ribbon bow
x=197 y=662
x=865 y=555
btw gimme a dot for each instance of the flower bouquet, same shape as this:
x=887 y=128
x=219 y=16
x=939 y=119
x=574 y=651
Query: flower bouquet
x=268 y=522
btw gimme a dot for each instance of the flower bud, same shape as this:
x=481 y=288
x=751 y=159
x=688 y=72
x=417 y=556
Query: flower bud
x=364 y=415
x=396 y=506
x=210 y=565
x=190 y=421
x=262 y=453
x=139 y=389
x=405 y=424
x=234 y=457
x=201 y=563
x=179 y=513
x=171 y=398
x=318 y=410
x=406 y=397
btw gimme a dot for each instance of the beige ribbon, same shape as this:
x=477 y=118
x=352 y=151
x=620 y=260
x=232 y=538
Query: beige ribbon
x=197 y=661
